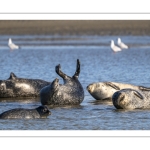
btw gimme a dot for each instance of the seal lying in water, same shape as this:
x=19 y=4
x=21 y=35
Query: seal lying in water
x=69 y=93
x=20 y=87
x=131 y=99
x=105 y=90
x=21 y=113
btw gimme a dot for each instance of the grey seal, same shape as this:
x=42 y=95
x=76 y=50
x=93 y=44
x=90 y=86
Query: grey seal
x=69 y=93
x=21 y=113
x=21 y=87
x=105 y=90
x=131 y=99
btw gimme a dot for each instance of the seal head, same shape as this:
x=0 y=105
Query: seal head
x=43 y=111
x=128 y=99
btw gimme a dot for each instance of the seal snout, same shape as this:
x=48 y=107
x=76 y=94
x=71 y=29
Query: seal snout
x=56 y=80
x=89 y=88
x=117 y=97
x=121 y=97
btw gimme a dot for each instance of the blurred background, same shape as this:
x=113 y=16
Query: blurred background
x=98 y=27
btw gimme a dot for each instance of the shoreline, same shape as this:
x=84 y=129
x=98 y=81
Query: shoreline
x=75 y=27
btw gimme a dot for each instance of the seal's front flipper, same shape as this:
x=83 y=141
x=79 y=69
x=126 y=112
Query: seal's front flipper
x=59 y=72
x=77 y=69
x=112 y=85
x=12 y=76
x=138 y=94
x=142 y=88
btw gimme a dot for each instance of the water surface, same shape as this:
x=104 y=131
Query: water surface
x=37 y=59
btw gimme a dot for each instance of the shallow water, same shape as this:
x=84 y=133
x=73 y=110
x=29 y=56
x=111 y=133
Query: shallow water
x=37 y=59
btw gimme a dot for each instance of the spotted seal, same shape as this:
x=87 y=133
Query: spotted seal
x=21 y=87
x=69 y=93
x=21 y=113
x=131 y=99
x=105 y=90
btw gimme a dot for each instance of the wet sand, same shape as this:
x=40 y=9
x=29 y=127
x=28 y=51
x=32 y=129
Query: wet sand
x=71 y=27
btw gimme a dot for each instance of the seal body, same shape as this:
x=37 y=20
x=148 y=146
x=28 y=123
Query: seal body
x=20 y=87
x=105 y=90
x=21 y=113
x=69 y=93
x=131 y=99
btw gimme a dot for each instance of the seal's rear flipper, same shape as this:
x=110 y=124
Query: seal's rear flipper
x=77 y=69
x=142 y=88
x=59 y=72
x=112 y=85
x=12 y=76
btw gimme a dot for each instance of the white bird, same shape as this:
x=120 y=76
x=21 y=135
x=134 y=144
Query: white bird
x=114 y=47
x=12 y=45
x=121 y=44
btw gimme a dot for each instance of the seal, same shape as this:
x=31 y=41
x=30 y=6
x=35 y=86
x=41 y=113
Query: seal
x=69 y=93
x=21 y=87
x=105 y=90
x=21 y=113
x=131 y=99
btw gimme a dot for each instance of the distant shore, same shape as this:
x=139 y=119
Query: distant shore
x=75 y=27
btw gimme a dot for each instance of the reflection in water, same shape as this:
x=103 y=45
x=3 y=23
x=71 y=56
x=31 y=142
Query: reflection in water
x=37 y=59
x=66 y=107
x=99 y=102
x=21 y=100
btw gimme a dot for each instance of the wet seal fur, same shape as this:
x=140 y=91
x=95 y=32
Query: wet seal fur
x=69 y=93
x=131 y=99
x=105 y=90
x=20 y=87
x=21 y=113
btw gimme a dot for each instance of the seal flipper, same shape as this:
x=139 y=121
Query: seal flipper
x=60 y=73
x=142 y=88
x=76 y=75
x=112 y=85
x=12 y=76
x=138 y=94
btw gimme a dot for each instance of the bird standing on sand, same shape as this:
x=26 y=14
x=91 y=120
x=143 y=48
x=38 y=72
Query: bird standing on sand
x=114 y=47
x=11 y=45
x=121 y=44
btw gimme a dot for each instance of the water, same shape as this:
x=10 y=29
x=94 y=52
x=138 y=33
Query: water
x=37 y=59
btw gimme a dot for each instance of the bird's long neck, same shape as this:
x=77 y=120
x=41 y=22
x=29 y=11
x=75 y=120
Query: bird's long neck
x=119 y=41
x=10 y=41
x=112 y=43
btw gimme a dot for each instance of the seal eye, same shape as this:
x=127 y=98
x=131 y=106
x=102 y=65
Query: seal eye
x=45 y=110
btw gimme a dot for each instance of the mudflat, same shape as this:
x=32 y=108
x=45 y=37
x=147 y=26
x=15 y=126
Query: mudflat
x=71 y=27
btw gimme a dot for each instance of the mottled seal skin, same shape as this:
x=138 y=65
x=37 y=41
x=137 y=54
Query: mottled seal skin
x=69 y=93
x=105 y=90
x=21 y=113
x=131 y=99
x=20 y=87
